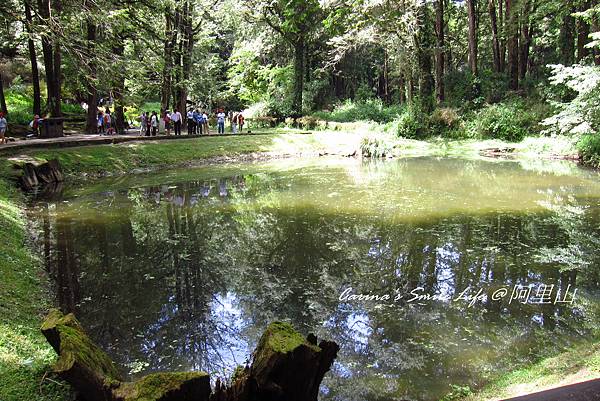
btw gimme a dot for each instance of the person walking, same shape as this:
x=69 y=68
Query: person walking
x=167 y=122
x=3 y=128
x=108 y=123
x=241 y=122
x=148 y=124
x=197 y=121
x=100 y=123
x=176 y=118
x=234 y=123
x=221 y=121
x=143 y=119
x=154 y=123
x=191 y=123
x=205 y=123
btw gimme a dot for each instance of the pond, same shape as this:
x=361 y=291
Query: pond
x=183 y=269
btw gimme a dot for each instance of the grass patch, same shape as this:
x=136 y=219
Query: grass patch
x=24 y=353
x=124 y=157
x=575 y=365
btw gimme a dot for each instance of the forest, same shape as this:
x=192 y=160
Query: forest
x=475 y=68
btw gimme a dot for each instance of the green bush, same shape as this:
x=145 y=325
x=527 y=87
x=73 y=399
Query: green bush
x=414 y=123
x=364 y=110
x=446 y=122
x=589 y=150
x=375 y=146
x=510 y=121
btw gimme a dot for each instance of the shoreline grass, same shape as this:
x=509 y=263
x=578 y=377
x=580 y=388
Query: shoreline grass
x=25 y=355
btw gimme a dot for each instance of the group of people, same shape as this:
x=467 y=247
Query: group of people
x=197 y=122
x=236 y=121
x=105 y=123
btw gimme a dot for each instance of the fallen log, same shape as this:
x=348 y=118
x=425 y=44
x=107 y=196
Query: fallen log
x=285 y=367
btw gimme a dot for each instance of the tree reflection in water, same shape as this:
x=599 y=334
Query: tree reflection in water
x=186 y=275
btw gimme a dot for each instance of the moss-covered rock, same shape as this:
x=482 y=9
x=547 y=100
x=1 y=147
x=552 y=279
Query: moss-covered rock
x=167 y=387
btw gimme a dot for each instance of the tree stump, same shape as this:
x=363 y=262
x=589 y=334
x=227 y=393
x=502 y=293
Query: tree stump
x=285 y=367
x=94 y=375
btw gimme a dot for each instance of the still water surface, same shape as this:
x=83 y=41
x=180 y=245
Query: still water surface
x=183 y=269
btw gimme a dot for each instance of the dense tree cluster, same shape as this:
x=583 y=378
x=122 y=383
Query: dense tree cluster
x=289 y=56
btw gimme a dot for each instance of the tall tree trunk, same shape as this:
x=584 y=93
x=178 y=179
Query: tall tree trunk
x=3 y=108
x=119 y=84
x=472 y=14
x=402 y=88
x=596 y=28
x=165 y=90
x=91 y=125
x=35 y=74
x=583 y=31
x=503 y=18
x=525 y=42
x=298 y=75
x=188 y=37
x=424 y=45
x=567 y=35
x=513 y=44
x=52 y=59
x=439 y=51
x=495 y=39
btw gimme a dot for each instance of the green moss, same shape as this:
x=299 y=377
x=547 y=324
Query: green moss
x=77 y=347
x=155 y=386
x=282 y=337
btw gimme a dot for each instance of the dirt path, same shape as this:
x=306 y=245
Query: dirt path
x=88 y=140
x=586 y=391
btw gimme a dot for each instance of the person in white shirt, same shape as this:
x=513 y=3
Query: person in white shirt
x=176 y=118
x=221 y=121
x=154 y=123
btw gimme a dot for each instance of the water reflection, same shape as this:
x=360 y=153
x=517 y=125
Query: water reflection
x=184 y=271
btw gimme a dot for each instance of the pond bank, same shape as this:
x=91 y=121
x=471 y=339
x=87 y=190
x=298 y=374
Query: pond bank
x=24 y=297
x=100 y=160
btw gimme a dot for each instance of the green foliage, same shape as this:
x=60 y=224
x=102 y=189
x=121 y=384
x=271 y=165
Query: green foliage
x=24 y=353
x=376 y=146
x=589 y=149
x=413 y=123
x=365 y=110
x=20 y=107
x=580 y=113
x=511 y=121
x=457 y=393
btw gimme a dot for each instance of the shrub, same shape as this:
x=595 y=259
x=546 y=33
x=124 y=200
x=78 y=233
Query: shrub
x=444 y=121
x=414 y=123
x=375 y=146
x=510 y=121
x=589 y=150
x=364 y=110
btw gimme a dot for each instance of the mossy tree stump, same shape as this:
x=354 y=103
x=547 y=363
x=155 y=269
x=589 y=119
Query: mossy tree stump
x=285 y=367
x=94 y=375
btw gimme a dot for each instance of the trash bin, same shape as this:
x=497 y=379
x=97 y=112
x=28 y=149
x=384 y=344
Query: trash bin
x=51 y=127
